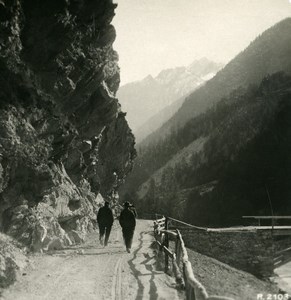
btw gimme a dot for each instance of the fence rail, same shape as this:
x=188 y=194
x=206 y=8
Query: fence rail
x=193 y=288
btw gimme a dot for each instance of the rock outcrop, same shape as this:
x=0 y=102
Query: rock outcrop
x=64 y=142
x=12 y=260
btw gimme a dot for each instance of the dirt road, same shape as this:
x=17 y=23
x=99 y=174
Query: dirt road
x=284 y=277
x=93 y=272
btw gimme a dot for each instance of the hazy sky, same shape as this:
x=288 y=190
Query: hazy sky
x=156 y=34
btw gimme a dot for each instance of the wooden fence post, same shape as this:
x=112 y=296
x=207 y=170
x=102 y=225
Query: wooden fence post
x=167 y=245
x=178 y=251
x=189 y=290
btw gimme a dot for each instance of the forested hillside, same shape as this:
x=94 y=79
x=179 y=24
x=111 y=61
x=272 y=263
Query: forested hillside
x=223 y=163
x=226 y=148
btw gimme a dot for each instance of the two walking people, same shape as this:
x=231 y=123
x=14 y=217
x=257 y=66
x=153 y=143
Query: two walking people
x=127 y=222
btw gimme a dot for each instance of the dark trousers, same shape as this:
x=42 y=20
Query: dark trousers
x=104 y=229
x=127 y=236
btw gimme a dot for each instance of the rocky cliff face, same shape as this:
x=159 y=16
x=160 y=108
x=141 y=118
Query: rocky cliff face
x=64 y=143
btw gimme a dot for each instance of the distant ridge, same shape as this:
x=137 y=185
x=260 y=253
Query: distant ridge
x=148 y=97
x=270 y=52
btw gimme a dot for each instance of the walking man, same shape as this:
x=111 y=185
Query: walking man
x=127 y=223
x=105 y=220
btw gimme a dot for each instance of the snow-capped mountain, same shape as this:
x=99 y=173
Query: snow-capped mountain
x=145 y=99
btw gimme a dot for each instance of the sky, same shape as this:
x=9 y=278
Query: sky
x=153 y=35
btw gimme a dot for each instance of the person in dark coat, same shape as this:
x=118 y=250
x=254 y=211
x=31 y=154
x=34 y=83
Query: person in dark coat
x=105 y=220
x=127 y=223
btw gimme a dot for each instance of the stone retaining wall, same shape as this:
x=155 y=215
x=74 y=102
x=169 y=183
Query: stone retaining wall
x=251 y=251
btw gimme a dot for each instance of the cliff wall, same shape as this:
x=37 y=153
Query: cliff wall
x=64 y=142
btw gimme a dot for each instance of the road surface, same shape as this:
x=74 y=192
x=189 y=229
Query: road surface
x=92 y=272
x=284 y=277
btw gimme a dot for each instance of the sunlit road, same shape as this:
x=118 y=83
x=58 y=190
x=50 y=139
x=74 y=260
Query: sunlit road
x=90 y=271
x=284 y=279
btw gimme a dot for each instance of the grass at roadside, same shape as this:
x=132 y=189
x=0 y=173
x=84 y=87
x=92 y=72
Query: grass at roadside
x=221 y=279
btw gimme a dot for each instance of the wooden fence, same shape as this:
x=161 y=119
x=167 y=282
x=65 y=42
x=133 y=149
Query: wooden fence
x=193 y=288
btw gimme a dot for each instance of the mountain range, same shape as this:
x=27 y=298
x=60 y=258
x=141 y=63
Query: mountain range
x=267 y=54
x=153 y=100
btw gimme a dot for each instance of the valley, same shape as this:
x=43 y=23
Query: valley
x=245 y=128
x=205 y=145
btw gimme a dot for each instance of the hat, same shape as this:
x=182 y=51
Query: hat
x=126 y=204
